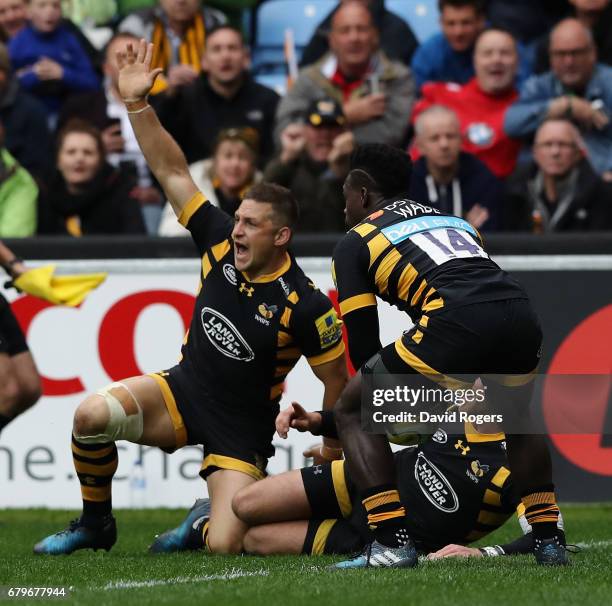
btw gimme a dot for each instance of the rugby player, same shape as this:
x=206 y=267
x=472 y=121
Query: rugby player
x=255 y=314
x=456 y=489
x=470 y=318
x=19 y=379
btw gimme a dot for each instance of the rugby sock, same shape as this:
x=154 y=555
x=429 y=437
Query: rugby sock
x=95 y=465
x=204 y=535
x=386 y=515
x=541 y=511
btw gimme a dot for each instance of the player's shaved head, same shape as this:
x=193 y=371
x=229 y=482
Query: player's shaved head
x=389 y=169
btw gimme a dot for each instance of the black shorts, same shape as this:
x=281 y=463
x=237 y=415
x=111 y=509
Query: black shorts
x=12 y=339
x=492 y=338
x=238 y=438
x=472 y=512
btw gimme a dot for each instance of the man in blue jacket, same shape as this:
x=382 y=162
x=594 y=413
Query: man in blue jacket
x=577 y=88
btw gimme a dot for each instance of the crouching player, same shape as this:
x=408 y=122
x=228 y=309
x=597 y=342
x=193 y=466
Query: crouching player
x=456 y=489
x=255 y=315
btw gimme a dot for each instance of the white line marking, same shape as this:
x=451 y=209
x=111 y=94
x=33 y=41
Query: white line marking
x=227 y=576
x=588 y=544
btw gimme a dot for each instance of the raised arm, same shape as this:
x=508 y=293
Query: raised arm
x=163 y=155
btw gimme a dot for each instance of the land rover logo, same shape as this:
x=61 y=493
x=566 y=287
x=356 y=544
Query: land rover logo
x=224 y=336
x=434 y=485
x=229 y=271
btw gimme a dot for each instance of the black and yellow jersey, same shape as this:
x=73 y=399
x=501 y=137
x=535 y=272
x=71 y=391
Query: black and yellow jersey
x=418 y=259
x=246 y=335
x=456 y=488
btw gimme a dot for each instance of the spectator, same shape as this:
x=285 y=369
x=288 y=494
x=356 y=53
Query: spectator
x=48 y=58
x=481 y=103
x=13 y=17
x=105 y=110
x=596 y=15
x=313 y=163
x=447 y=178
x=223 y=178
x=18 y=195
x=178 y=28
x=224 y=95
x=86 y=195
x=25 y=122
x=577 y=87
x=558 y=191
x=397 y=40
x=447 y=55
x=376 y=94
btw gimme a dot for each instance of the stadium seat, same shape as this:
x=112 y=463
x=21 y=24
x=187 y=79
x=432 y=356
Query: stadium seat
x=273 y=18
x=421 y=15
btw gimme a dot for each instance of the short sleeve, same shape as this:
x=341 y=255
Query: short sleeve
x=208 y=224
x=350 y=274
x=317 y=329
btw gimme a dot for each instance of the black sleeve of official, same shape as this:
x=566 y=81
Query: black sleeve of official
x=328 y=427
x=363 y=334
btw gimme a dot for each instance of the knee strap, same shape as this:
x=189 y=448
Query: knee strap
x=121 y=425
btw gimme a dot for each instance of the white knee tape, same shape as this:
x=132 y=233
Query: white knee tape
x=120 y=425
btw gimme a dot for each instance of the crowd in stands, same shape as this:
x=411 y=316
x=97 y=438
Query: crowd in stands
x=506 y=111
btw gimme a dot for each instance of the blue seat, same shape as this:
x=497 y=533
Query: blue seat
x=274 y=17
x=421 y=15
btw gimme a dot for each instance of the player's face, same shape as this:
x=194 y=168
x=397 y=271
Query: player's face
x=353 y=204
x=78 y=159
x=234 y=165
x=12 y=16
x=555 y=149
x=226 y=57
x=254 y=236
x=45 y=14
x=439 y=139
x=461 y=26
x=495 y=62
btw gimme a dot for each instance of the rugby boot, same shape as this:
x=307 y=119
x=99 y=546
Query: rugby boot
x=550 y=552
x=187 y=536
x=376 y=555
x=78 y=536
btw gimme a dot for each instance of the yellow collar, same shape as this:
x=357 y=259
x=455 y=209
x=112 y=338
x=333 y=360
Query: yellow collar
x=271 y=277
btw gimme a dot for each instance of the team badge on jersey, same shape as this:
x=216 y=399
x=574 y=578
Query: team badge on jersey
x=477 y=470
x=267 y=311
x=329 y=328
x=480 y=134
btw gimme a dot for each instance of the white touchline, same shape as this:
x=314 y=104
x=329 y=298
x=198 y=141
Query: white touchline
x=595 y=544
x=226 y=576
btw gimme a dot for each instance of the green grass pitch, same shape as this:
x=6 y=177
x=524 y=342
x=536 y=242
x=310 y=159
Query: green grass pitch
x=128 y=575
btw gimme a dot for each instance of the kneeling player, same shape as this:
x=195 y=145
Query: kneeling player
x=256 y=313
x=456 y=489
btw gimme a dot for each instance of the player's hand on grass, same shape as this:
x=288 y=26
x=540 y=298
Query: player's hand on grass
x=136 y=77
x=296 y=417
x=455 y=551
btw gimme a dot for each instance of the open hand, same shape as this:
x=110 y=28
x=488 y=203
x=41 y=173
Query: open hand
x=136 y=77
x=455 y=551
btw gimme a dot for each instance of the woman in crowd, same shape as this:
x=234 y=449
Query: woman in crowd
x=86 y=195
x=222 y=178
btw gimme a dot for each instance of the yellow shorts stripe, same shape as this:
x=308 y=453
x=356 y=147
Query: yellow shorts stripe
x=232 y=464
x=96 y=493
x=357 y=302
x=190 y=207
x=342 y=493
x=327 y=356
x=320 y=539
x=427 y=371
x=177 y=420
